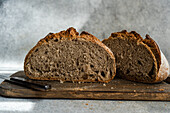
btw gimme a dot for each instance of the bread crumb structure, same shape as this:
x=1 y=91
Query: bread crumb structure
x=137 y=59
x=68 y=56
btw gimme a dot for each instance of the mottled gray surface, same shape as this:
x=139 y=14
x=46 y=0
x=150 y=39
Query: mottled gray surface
x=82 y=106
x=24 y=22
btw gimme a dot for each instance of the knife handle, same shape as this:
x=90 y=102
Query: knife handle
x=25 y=83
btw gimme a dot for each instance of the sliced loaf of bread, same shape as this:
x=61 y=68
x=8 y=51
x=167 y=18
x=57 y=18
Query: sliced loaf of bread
x=68 y=56
x=137 y=59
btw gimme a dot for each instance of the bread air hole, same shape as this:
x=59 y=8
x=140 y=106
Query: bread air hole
x=91 y=75
x=36 y=50
x=96 y=72
x=85 y=76
x=91 y=65
x=103 y=74
x=31 y=68
x=38 y=70
x=77 y=62
x=46 y=40
x=127 y=72
x=45 y=52
x=54 y=70
x=56 y=40
x=139 y=62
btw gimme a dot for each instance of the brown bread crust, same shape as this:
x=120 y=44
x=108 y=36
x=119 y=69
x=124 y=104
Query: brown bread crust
x=162 y=66
x=70 y=34
x=154 y=48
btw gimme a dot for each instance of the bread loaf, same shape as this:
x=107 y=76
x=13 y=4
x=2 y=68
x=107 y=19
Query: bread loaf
x=137 y=59
x=68 y=56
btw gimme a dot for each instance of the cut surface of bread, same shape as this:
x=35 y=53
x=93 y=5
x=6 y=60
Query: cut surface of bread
x=68 y=56
x=137 y=59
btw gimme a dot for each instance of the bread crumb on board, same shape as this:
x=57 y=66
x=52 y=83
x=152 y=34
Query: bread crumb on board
x=61 y=81
x=161 y=89
x=120 y=102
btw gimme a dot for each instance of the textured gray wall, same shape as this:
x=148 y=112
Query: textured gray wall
x=24 y=22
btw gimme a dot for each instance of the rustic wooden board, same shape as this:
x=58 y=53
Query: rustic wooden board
x=117 y=89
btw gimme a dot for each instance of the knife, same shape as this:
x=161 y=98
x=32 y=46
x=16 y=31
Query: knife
x=25 y=83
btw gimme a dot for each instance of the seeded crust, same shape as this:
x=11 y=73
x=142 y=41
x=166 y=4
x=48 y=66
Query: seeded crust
x=161 y=64
x=70 y=34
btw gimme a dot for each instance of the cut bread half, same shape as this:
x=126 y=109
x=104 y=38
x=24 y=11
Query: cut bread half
x=68 y=56
x=137 y=59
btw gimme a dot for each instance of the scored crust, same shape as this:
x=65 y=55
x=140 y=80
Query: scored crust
x=162 y=66
x=70 y=34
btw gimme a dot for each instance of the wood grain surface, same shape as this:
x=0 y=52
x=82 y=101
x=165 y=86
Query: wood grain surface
x=117 y=89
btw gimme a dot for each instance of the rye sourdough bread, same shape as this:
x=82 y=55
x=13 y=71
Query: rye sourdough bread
x=137 y=59
x=68 y=56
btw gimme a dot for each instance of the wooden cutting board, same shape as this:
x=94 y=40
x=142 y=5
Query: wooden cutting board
x=117 y=89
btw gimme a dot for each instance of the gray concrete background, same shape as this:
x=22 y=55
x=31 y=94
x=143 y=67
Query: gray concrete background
x=24 y=22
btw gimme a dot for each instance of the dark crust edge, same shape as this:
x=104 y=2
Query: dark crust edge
x=154 y=48
x=134 y=35
x=70 y=34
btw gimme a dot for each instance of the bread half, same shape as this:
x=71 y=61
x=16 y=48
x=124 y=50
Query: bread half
x=137 y=59
x=68 y=56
